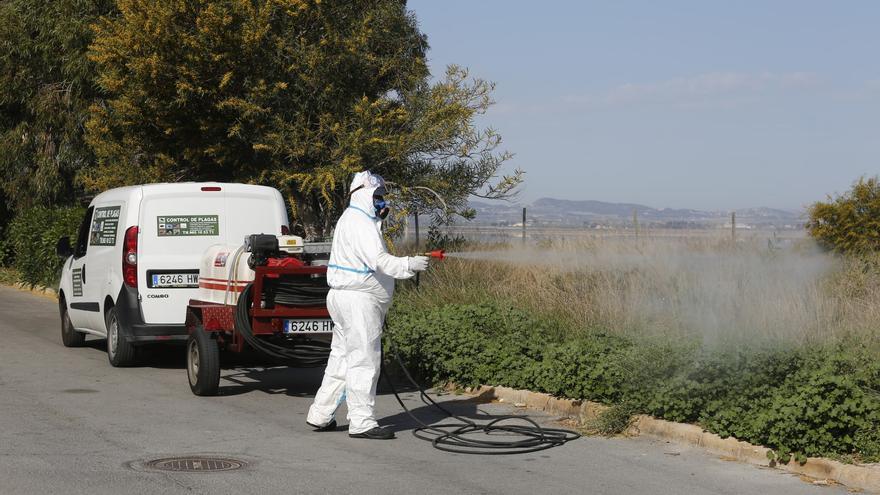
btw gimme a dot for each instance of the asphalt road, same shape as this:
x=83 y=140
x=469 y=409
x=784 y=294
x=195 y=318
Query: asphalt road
x=70 y=423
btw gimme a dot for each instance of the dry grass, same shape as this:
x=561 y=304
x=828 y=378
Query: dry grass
x=681 y=288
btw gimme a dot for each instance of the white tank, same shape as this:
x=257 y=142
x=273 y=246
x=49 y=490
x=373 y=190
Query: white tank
x=220 y=260
x=215 y=283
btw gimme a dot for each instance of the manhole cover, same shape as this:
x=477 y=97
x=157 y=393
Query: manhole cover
x=195 y=464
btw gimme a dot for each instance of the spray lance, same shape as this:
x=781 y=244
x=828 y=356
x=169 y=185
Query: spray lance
x=438 y=254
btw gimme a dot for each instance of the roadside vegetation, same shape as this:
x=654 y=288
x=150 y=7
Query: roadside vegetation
x=28 y=248
x=775 y=347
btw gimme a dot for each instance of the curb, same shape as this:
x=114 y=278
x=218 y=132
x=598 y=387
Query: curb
x=863 y=477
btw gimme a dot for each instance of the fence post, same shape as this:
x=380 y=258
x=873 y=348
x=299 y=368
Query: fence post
x=636 y=222
x=524 y=225
x=733 y=227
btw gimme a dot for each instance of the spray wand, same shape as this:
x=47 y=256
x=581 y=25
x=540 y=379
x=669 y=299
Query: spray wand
x=438 y=254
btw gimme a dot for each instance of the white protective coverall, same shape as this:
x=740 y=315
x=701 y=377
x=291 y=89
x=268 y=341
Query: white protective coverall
x=361 y=276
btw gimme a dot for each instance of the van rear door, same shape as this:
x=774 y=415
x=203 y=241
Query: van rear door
x=179 y=222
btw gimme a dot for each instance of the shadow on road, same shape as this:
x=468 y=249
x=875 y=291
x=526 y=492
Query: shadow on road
x=304 y=382
x=294 y=382
x=429 y=414
x=249 y=372
x=160 y=356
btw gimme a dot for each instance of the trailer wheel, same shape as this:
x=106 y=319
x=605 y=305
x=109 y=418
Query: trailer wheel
x=202 y=363
x=69 y=336
x=120 y=351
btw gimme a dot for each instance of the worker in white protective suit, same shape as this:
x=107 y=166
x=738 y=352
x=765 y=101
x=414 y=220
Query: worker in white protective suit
x=361 y=276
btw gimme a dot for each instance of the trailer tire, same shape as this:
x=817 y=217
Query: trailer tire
x=120 y=351
x=202 y=363
x=69 y=336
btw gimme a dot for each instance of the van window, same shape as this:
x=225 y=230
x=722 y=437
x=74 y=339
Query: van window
x=82 y=237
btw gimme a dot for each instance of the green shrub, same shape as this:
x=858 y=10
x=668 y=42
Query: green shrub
x=584 y=368
x=6 y=256
x=32 y=237
x=867 y=443
x=469 y=344
x=800 y=402
x=849 y=223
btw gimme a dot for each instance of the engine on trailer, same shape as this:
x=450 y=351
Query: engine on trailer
x=226 y=269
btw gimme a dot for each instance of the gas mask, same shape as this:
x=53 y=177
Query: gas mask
x=381 y=207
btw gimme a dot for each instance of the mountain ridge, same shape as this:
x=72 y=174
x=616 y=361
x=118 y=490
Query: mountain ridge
x=553 y=211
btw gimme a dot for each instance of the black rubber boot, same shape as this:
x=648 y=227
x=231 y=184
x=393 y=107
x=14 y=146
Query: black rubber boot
x=377 y=433
x=331 y=426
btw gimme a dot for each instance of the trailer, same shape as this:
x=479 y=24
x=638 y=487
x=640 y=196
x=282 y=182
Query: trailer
x=269 y=295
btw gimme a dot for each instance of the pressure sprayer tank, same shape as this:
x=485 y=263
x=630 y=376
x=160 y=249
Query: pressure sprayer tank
x=224 y=270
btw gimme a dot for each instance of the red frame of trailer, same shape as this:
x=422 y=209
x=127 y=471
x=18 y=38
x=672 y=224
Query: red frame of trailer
x=219 y=319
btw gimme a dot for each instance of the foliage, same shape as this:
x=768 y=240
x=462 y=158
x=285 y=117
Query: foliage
x=799 y=402
x=438 y=239
x=33 y=235
x=46 y=86
x=5 y=248
x=298 y=94
x=9 y=276
x=849 y=223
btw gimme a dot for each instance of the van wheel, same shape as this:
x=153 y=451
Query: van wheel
x=69 y=336
x=119 y=350
x=202 y=363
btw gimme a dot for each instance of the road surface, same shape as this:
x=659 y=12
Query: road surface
x=70 y=423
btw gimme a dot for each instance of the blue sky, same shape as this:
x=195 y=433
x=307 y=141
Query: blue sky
x=704 y=104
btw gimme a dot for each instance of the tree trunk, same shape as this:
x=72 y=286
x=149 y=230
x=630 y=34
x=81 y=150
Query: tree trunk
x=313 y=216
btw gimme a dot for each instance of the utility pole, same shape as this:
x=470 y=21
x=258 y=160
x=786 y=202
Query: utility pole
x=524 y=226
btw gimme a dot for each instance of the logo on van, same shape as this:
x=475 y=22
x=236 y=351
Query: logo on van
x=158 y=296
x=187 y=225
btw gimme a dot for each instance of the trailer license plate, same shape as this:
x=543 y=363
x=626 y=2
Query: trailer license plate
x=167 y=280
x=308 y=326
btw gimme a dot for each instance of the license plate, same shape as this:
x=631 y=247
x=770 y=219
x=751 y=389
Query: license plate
x=308 y=326
x=167 y=280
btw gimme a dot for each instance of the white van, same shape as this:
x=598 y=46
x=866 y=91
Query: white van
x=135 y=263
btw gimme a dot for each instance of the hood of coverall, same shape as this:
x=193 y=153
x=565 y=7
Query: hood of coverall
x=363 y=198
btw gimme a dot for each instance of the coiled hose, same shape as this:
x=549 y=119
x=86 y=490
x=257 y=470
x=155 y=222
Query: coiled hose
x=459 y=437
x=302 y=355
x=297 y=291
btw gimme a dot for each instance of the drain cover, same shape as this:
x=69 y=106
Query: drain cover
x=195 y=464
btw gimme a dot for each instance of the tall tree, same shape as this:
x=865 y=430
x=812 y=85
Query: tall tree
x=299 y=94
x=46 y=87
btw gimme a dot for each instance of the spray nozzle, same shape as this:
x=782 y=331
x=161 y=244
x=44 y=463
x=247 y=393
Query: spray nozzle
x=437 y=253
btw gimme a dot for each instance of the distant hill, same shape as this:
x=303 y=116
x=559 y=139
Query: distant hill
x=562 y=212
